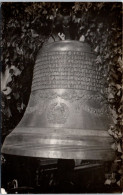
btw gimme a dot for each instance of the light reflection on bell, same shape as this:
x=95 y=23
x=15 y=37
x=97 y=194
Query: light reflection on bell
x=66 y=116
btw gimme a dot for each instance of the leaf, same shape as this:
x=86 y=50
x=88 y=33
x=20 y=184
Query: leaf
x=110 y=132
x=120 y=171
x=82 y=38
x=19 y=108
x=108 y=182
x=120 y=135
x=99 y=60
x=9 y=79
x=15 y=70
x=61 y=36
x=118 y=86
x=113 y=180
x=51 y=17
x=7 y=91
x=119 y=148
x=119 y=93
x=8 y=97
x=110 y=96
x=16 y=95
x=114 y=114
x=114 y=146
x=8 y=112
x=34 y=34
x=44 y=12
x=22 y=106
x=96 y=49
x=5 y=78
x=120 y=61
x=118 y=183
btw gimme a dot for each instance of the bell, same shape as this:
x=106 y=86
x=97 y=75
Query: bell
x=67 y=116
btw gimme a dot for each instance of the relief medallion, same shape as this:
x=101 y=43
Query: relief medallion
x=57 y=113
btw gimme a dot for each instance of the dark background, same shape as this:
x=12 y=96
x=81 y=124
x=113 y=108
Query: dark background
x=25 y=27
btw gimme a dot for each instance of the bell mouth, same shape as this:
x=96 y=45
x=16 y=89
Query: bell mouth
x=59 y=143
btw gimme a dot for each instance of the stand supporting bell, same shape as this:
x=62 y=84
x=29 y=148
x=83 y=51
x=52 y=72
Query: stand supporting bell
x=67 y=115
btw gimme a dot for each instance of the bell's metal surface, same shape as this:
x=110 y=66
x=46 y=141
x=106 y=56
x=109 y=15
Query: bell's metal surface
x=67 y=116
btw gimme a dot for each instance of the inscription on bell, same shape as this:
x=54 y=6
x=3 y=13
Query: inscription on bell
x=68 y=70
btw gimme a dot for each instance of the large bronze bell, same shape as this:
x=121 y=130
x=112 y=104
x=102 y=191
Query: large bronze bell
x=67 y=116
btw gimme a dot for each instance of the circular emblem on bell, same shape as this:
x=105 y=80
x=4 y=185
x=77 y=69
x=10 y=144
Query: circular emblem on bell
x=57 y=113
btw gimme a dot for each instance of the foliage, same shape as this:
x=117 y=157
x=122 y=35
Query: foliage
x=26 y=26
